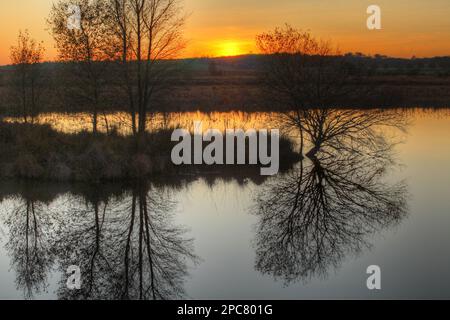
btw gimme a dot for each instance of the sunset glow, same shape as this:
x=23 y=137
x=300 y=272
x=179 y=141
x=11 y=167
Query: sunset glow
x=225 y=28
x=229 y=48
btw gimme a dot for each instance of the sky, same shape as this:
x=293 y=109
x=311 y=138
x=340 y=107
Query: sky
x=228 y=27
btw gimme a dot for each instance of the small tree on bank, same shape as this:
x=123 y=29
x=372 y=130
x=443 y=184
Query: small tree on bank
x=303 y=74
x=26 y=57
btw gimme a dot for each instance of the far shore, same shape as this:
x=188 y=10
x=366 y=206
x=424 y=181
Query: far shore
x=234 y=84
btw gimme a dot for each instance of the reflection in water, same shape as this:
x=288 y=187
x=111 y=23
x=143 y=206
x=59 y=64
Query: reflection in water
x=326 y=208
x=121 y=121
x=128 y=249
x=126 y=246
x=30 y=244
x=348 y=130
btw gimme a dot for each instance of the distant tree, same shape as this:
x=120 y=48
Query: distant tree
x=86 y=51
x=213 y=68
x=26 y=57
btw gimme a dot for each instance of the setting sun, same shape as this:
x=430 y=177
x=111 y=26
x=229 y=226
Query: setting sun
x=229 y=48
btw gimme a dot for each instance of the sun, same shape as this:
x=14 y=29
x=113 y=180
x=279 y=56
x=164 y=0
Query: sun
x=229 y=48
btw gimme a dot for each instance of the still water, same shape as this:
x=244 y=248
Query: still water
x=307 y=233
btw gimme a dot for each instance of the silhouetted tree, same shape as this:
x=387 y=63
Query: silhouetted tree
x=86 y=52
x=26 y=57
x=150 y=34
x=302 y=72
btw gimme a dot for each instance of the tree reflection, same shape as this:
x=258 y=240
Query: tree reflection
x=127 y=249
x=326 y=208
x=84 y=242
x=346 y=130
x=127 y=246
x=30 y=244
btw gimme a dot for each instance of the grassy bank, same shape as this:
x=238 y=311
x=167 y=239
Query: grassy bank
x=41 y=153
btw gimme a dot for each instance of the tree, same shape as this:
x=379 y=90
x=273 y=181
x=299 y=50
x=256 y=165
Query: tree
x=302 y=72
x=150 y=33
x=306 y=71
x=86 y=51
x=26 y=57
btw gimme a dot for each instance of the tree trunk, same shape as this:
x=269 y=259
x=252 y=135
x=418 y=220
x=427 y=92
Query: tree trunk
x=33 y=102
x=24 y=97
x=133 y=121
x=317 y=145
x=142 y=122
x=105 y=116
x=302 y=142
x=94 y=122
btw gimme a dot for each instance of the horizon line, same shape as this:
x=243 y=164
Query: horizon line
x=262 y=54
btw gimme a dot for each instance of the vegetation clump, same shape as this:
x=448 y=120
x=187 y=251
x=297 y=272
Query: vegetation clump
x=32 y=151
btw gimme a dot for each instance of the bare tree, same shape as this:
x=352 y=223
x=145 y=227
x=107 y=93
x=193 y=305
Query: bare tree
x=26 y=57
x=302 y=72
x=86 y=51
x=150 y=34
x=306 y=71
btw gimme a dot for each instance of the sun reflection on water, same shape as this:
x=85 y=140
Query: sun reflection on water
x=121 y=121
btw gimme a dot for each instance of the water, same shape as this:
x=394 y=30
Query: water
x=76 y=122
x=307 y=233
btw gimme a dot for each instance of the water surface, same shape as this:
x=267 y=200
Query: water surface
x=307 y=233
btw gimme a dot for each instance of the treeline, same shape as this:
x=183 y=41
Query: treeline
x=374 y=65
x=232 y=83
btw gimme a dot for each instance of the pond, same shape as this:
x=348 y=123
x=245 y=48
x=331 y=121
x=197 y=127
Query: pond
x=307 y=233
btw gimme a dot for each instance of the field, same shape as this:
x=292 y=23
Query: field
x=226 y=84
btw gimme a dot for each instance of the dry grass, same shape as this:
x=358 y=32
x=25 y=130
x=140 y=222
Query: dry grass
x=41 y=153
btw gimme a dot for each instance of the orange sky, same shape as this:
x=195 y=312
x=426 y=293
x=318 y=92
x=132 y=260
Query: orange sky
x=228 y=27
